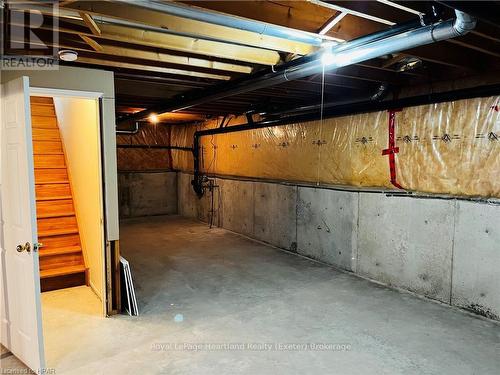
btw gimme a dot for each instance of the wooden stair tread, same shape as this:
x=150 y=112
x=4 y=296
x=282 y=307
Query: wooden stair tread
x=60 y=251
x=61 y=271
x=61 y=259
x=55 y=214
x=51 y=167
x=52 y=182
x=57 y=232
x=55 y=198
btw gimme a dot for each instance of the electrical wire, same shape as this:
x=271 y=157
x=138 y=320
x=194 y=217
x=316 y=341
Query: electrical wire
x=322 y=106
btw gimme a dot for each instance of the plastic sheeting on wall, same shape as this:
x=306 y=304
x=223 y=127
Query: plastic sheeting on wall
x=449 y=148
x=139 y=159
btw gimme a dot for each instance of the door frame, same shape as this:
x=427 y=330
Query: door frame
x=97 y=96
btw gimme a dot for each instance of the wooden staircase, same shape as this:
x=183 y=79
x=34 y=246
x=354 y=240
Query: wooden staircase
x=61 y=259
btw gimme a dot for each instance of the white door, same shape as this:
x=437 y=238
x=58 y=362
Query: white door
x=21 y=320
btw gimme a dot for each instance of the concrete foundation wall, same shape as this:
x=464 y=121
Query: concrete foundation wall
x=147 y=193
x=447 y=250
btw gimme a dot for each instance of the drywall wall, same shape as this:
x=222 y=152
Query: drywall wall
x=78 y=121
x=446 y=250
x=91 y=80
x=147 y=193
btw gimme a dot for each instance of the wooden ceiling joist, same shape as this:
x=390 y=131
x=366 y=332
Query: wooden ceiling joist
x=91 y=24
x=134 y=13
x=118 y=64
x=163 y=40
x=178 y=60
x=169 y=56
x=150 y=57
x=355 y=12
x=199 y=46
x=92 y=43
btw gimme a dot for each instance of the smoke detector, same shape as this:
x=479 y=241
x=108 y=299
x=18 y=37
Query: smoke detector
x=68 y=55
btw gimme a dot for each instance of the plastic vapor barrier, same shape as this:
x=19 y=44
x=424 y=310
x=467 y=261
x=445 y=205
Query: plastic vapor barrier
x=449 y=148
x=137 y=159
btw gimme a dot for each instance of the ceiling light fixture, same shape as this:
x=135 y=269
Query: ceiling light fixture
x=154 y=118
x=328 y=58
x=67 y=55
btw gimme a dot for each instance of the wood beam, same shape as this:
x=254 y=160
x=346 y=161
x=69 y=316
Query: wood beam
x=157 y=69
x=358 y=10
x=157 y=58
x=159 y=64
x=327 y=26
x=159 y=79
x=177 y=60
x=202 y=47
x=66 y=2
x=94 y=58
x=91 y=24
x=299 y=15
x=167 y=41
x=92 y=43
x=184 y=26
x=448 y=53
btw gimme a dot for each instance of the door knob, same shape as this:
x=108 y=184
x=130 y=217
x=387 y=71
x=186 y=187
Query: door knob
x=26 y=247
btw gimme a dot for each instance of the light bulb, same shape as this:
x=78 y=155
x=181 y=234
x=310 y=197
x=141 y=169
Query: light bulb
x=328 y=58
x=153 y=118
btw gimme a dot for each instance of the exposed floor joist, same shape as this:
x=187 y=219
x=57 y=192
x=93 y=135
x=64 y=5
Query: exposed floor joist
x=91 y=24
x=173 y=42
x=182 y=26
x=146 y=45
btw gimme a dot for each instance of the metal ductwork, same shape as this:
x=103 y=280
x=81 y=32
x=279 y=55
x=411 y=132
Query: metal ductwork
x=227 y=20
x=393 y=40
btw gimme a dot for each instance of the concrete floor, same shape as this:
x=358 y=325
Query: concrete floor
x=201 y=286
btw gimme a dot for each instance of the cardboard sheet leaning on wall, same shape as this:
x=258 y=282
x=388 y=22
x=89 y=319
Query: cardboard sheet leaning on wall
x=448 y=148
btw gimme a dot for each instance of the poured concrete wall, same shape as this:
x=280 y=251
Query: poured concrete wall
x=407 y=243
x=447 y=250
x=476 y=259
x=147 y=193
x=326 y=226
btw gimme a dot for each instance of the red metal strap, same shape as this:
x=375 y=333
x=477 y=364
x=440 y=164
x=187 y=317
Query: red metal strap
x=392 y=148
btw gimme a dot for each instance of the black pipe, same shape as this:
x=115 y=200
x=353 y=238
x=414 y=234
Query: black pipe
x=338 y=111
x=274 y=75
x=161 y=147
